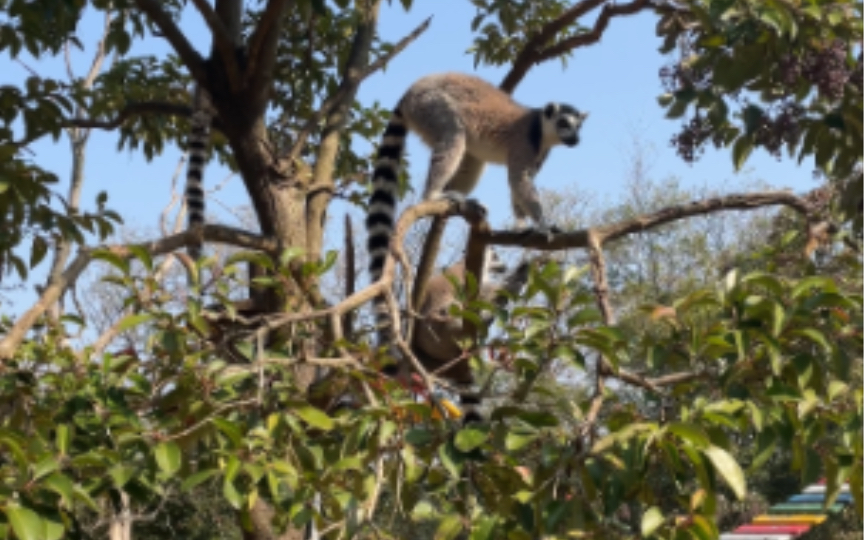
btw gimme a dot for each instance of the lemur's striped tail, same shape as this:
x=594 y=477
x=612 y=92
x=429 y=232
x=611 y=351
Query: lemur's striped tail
x=381 y=215
x=469 y=401
x=197 y=146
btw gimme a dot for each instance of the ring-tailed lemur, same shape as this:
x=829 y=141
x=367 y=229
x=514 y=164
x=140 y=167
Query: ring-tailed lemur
x=437 y=334
x=467 y=123
x=197 y=146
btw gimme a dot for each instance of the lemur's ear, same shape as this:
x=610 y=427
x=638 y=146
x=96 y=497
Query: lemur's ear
x=550 y=110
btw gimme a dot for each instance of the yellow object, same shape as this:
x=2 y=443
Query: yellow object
x=452 y=410
x=801 y=519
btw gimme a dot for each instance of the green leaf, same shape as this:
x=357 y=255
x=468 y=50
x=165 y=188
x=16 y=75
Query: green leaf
x=516 y=441
x=690 y=433
x=45 y=467
x=121 y=474
x=229 y=429
x=728 y=468
x=741 y=151
x=168 y=457
x=482 y=528
x=470 y=438
x=232 y=495
x=26 y=523
x=133 y=319
x=449 y=527
x=652 y=519
x=61 y=485
x=37 y=251
x=198 y=478
x=143 y=255
x=314 y=417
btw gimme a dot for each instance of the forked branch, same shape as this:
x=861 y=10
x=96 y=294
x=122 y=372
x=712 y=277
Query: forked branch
x=537 y=50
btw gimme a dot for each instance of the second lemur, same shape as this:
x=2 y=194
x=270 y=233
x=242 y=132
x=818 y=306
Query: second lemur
x=467 y=123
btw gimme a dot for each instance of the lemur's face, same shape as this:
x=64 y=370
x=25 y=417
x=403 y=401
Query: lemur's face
x=566 y=121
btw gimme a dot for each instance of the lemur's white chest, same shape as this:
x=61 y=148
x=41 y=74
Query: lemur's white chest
x=489 y=151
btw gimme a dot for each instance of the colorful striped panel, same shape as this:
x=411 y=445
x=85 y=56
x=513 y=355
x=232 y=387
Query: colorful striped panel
x=792 y=518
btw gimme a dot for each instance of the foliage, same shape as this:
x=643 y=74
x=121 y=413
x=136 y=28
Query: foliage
x=791 y=69
x=172 y=417
x=207 y=413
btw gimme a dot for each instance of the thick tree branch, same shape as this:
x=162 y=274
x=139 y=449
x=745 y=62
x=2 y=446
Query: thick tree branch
x=337 y=118
x=263 y=46
x=535 y=51
x=171 y=32
x=223 y=43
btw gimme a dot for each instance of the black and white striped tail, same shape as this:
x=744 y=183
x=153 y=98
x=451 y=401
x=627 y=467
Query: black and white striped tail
x=197 y=146
x=470 y=403
x=381 y=216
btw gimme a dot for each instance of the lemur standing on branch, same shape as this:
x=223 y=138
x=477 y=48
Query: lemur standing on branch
x=467 y=123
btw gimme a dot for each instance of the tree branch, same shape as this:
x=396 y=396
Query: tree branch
x=607 y=233
x=535 y=50
x=353 y=78
x=337 y=117
x=588 y=38
x=131 y=109
x=222 y=42
x=170 y=31
x=263 y=45
x=213 y=233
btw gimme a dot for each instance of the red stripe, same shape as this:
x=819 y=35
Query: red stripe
x=772 y=529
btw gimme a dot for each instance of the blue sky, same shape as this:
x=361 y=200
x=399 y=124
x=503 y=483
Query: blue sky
x=615 y=81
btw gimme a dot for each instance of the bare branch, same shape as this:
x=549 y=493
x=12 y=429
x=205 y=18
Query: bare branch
x=534 y=51
x=170 y=31
x=588 y=38
x=353 y=78
x=99 y=57
x=607 y=233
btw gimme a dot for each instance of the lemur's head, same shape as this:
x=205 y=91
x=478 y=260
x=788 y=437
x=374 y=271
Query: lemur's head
x=564 y=121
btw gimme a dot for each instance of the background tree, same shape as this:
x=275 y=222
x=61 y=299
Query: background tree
x=208 y=400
